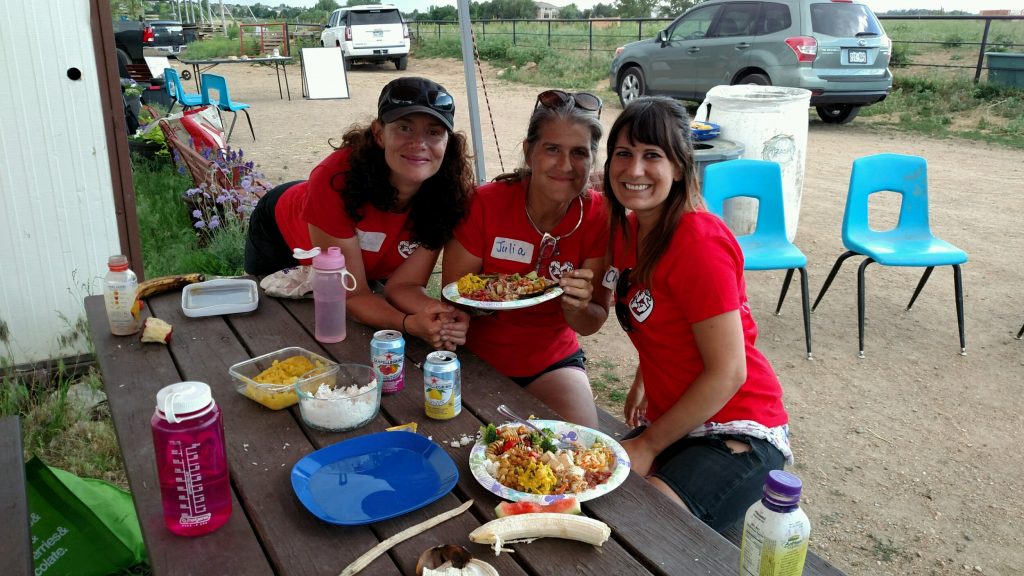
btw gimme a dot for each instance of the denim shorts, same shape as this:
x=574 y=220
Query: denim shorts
x=717 y=485
x=575 y=360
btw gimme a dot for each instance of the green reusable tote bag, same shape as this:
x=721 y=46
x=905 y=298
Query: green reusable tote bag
x=80 y=526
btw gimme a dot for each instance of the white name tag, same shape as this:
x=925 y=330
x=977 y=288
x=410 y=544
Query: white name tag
x=611 y=277
x=370 y=241
x=511 y=249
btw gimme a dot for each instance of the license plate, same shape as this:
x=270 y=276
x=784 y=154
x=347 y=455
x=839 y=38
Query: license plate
x=378 y=33
x=858 y=56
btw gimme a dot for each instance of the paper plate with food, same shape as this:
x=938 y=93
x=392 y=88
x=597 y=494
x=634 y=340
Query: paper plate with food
x=501 y=291
x=519 y=464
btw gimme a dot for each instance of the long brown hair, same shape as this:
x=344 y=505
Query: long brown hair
x=434 y=211
x=661 y=122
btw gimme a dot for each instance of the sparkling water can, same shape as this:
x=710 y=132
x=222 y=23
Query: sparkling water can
x=387 y=352
x=442 y=385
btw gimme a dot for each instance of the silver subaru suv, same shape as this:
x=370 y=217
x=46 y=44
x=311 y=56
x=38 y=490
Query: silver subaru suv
x=837 y=49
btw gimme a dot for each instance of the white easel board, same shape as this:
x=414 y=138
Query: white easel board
x=156 y=65
x=323 y=74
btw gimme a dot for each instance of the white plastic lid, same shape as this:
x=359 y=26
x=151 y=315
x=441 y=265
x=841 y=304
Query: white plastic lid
x=183 y=398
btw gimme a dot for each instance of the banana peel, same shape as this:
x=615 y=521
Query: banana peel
x=163 y=284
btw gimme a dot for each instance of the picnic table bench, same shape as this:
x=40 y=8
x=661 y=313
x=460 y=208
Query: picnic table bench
x=15 y=537
x=270 y=531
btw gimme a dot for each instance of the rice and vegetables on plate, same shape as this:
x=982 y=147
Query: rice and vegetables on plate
x=501 y=287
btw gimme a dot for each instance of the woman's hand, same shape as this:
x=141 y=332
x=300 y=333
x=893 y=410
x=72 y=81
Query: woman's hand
x=577 y=289
x=635 y=409
x=439 y=324
x=641 y=456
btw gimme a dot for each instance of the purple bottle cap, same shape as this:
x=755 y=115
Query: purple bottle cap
x=332 y=260
x=782 y=489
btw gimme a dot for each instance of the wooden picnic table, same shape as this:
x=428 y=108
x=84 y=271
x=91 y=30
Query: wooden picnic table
x=271 y=532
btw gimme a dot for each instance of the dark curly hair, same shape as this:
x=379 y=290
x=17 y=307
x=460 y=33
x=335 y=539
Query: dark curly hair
x=434 y=212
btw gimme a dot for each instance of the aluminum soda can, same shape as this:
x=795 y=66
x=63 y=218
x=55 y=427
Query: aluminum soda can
x=387 y=353
x=442 y=385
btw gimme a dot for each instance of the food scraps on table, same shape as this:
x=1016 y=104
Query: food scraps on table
x=523 y=460
x=501 y=287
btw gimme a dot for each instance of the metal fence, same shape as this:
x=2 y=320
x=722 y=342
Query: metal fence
x=948 y=37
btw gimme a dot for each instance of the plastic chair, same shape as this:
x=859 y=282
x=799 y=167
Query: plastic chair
x=910 y=243
x=767 y=247
x=172 y=83
x=213 y=82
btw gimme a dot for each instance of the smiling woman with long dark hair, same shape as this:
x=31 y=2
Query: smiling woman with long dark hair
x=390 y=198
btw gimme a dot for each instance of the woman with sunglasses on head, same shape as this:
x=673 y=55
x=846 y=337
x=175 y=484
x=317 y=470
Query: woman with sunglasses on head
x=706 y=404
x=390 y=198
x=543 y=219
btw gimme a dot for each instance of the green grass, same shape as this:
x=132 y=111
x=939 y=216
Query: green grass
x=220 y=47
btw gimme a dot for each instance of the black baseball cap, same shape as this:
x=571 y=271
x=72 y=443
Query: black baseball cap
x=412 y=94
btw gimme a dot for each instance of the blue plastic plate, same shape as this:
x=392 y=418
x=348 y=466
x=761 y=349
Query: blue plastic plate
x=373 y=477
x=706 y=134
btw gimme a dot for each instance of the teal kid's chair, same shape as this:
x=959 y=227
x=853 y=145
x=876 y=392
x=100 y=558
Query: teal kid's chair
x=910 y=243
x=215 y=83
x=172 y=83
x=767 y=247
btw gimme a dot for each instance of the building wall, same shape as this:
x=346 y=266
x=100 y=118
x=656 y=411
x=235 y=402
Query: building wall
x=59 y=222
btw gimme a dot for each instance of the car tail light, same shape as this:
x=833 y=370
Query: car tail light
x=147 y=35
x=405 y=30
x=805 y=48
x=348 y=33
x=619 y=50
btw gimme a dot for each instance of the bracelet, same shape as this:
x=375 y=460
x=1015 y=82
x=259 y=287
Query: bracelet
x=404 y=331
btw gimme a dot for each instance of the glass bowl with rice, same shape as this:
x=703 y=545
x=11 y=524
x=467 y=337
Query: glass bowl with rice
x=351 y=400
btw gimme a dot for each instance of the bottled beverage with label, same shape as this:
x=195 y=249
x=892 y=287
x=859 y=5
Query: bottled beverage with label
x=330 y=284
x=192 y=466
x=119 y=289
x=775 y=530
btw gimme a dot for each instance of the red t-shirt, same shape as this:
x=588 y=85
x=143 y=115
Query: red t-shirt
x=699 y=276
x=384 y=237
x=524 y=342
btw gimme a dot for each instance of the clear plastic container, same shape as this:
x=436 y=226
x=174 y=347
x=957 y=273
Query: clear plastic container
x=119 y=289
x=192 y=466
x=351 y=402
x=281 y=392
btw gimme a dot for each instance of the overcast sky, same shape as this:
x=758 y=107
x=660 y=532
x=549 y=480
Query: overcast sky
x=876 y=5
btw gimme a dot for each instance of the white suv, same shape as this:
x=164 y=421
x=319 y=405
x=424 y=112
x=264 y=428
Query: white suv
x=370 y=33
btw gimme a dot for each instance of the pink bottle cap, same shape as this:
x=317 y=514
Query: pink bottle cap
x=332 y=260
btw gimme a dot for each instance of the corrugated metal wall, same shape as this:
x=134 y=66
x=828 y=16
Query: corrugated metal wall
x=57 y=216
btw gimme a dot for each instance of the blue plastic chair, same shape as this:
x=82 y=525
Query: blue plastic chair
x=767 y=247
x=910 y=243
x=215 y=83
x=172 y=83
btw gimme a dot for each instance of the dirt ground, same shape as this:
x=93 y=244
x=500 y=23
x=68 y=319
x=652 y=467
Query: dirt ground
x=910 y=456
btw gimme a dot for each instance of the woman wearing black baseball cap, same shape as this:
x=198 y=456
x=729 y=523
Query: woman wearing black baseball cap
x=390 y=198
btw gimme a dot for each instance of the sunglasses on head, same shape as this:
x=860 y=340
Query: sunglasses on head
x=408 y=96
x=622 y=309
x=557 y=99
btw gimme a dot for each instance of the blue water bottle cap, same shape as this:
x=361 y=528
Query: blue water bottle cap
x=332 y=260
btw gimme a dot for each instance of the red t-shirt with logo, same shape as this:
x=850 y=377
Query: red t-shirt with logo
x=384 y=237
x=525 y=341
x=699 y=276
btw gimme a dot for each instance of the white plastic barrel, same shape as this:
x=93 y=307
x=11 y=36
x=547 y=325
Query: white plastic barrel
x=771 y=124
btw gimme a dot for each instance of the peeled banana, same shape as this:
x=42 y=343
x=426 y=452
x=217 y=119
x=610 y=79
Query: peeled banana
x=529 y=527
x=165 y=284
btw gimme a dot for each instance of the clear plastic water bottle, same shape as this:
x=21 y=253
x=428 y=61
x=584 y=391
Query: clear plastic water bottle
x=775 y=530
x=119 y=289
x=188 y=438
x=331 y=281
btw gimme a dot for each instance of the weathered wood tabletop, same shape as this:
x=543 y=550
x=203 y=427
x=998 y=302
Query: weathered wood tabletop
x=271 y=532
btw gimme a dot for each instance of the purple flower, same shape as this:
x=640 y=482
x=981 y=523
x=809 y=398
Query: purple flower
x=197 y=213
x=200 y=224
x=214 y=222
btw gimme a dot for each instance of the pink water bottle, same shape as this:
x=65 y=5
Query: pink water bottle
x=188 y=438
x=331 y=281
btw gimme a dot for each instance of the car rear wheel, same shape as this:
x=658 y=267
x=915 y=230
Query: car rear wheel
x=837 y=113
x=631 y=85
x=402 y=63
x=757 y=79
